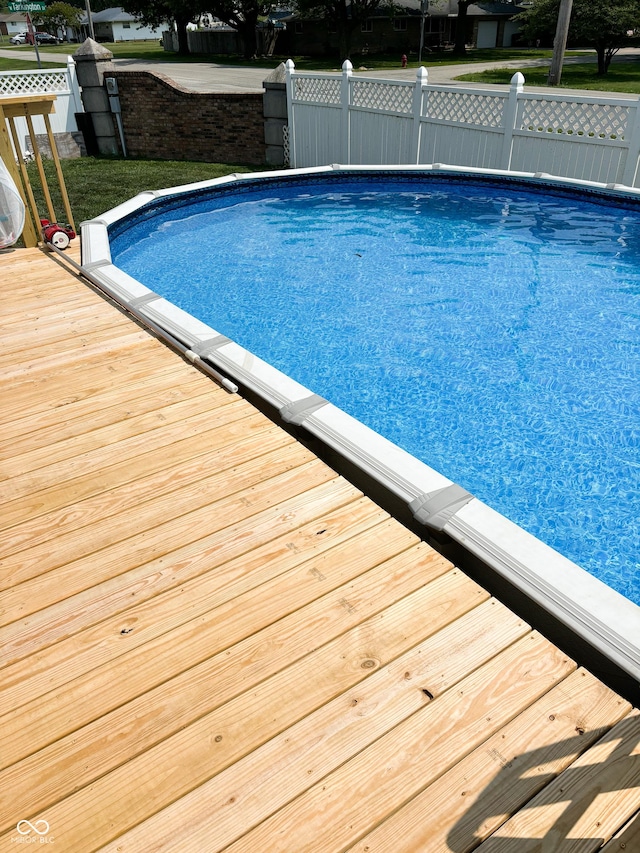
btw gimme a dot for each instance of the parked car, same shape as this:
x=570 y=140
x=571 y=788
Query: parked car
x=19 y=38
x=46 y=38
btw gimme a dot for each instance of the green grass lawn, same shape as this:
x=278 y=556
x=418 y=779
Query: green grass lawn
x=623 y=76
x=95 y=185
x=26 y=65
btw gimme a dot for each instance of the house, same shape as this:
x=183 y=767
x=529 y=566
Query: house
x=491 y=24
x=397 y=29
x=115 y=24
x=12 y=23
x=16 y=23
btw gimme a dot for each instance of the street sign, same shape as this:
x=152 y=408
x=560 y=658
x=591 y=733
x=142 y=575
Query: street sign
x=27 y=5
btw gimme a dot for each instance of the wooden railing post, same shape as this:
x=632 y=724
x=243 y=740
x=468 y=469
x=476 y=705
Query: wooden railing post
x=27 y=106
x=43 y=178
x=58 y=166
x=29 y=233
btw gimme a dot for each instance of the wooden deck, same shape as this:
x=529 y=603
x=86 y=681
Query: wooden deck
x=213 y=642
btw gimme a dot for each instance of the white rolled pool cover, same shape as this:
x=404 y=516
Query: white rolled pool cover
x=601 y=618
x=12 y=210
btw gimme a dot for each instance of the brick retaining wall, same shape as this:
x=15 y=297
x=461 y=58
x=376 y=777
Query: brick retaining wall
x=163 y=121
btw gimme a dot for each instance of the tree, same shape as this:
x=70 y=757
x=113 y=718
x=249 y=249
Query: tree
x=460 y=43
x=154 y=13
x=601 y=24
x=59 y=16
x=345 y=15
x=243 y=16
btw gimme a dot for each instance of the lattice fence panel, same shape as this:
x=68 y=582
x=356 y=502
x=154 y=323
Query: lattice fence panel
x=33 y=83
x=603 y=121
x=382 y=96
x=317 y=90
x=466 y=108
x=286 y=144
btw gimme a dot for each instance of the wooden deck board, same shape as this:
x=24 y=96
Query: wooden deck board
x=104 y=509
x=167 y=611
x=59 y=485
x=53 y=334
x=93 y=440
x=51 y=388
x=39 y=429
x=210 y=640
x=67 y=616
x=477 y=796
x=382 y=777
x=161 y=540
x=627 y=839
x=584 y=806
x=91 y=460
x=303 y=752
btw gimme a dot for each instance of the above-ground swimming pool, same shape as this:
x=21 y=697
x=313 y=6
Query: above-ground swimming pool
x=486 y=325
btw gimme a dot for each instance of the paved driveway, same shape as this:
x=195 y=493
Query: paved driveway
x=204 y=76
x=209 y=77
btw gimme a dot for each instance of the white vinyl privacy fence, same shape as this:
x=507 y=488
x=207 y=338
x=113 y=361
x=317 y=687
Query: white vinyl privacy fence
x=354 y=120
x=62 y=82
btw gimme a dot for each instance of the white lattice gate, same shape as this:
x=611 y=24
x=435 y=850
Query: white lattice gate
x=364 y=121
x=59 y=81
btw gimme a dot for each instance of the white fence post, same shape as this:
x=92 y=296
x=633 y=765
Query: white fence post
x=345 y=98
x=289 y=69
x=633 y=151
x=422 y=78
x=509 y=119
x=74 y=88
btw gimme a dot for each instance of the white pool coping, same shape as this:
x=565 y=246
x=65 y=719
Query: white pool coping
x=597 y=614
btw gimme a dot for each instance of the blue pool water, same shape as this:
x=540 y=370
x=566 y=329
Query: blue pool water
x=490 y=329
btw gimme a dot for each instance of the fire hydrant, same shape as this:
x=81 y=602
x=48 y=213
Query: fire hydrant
x=404 y=60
